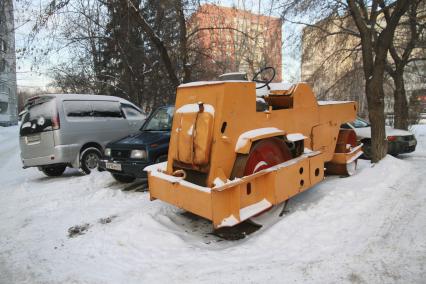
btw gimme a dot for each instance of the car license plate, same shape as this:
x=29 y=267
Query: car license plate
x=33 y=139
x=412 y=143
x=113 y=166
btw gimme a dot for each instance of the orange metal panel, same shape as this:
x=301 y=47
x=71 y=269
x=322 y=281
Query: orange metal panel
x=292 y=180
x=316 y=168
x=225 y=204
x=256 y=190
x=203 y=138
x=184 y=132
x=188 y=198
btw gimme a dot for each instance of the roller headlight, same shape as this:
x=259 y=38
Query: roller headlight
x=138 y=154
x=107 y=152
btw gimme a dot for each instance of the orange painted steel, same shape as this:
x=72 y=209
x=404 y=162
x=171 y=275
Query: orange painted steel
x=216 y=121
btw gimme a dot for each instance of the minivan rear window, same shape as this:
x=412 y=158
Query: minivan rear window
x=131 y=112
x=38 y=118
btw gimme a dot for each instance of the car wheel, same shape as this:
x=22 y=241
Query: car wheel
x=123 y=178
x=366 y=148
x=89 y=159
x=54 y=171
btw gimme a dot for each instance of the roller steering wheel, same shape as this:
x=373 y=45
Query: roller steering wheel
x=264 y=82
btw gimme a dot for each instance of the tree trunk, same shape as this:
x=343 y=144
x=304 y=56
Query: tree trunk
x=375 y=47
x=376 y=108
x=400 y=107
x=183 y=42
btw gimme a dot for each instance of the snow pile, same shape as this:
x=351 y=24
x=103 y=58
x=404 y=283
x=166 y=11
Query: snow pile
x=420 y=132
x=190 y=108
x=294 y=137
x=254 y=209
x=245 y=137
x=218 y=182
x=90 y=229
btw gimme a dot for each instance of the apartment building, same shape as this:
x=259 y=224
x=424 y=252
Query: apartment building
x=332 y=64
x=235 y=40
x=8 y=94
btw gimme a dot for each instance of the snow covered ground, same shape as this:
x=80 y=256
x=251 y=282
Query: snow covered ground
x=367 y=228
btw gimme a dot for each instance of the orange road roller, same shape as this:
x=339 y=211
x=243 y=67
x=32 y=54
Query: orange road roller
x=239 y=147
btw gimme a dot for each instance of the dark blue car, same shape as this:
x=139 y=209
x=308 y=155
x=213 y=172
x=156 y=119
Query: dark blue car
x=126 y=158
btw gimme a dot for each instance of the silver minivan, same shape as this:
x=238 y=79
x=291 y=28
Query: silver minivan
x=71 y=130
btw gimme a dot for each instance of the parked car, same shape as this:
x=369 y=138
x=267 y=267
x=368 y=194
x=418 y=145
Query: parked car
x=71 y=130
x=399 y=141
x=126 y=158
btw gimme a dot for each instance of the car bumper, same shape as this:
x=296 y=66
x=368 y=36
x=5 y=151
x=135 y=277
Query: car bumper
x=401 y=147
x=134 y=169
x=62 y=154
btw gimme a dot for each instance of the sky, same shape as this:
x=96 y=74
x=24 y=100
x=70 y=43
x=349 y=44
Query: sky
x=29 y=77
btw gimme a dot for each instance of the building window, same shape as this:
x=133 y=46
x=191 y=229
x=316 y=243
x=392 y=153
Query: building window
x=3 y=65
x=3 y=45
x=3 y=107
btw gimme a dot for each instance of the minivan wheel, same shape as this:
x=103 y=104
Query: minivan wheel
x=89 y=159
x=123 y=178
x=53 y=171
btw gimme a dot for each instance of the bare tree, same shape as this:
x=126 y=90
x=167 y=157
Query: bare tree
x=94 y=47
x=70 y=34
x=142 y=54
x=375 y=23
x=375 y=46
x=402 y=51
x=332 y=62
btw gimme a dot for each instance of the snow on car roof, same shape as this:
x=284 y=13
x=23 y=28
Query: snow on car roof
x=89 y=97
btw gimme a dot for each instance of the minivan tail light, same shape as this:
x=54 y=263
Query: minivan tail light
x=56 y=123
x=391 y=138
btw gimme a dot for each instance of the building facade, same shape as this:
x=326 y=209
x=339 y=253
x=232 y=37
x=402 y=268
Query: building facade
x=332 y=65
x=329 y=66
x=8 y=92
x=233 y=40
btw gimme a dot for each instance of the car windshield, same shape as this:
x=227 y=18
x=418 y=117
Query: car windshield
x=39 y=116
x=161 y=120
x=360 y=123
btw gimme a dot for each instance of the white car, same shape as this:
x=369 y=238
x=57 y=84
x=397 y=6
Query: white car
x=399 y=141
